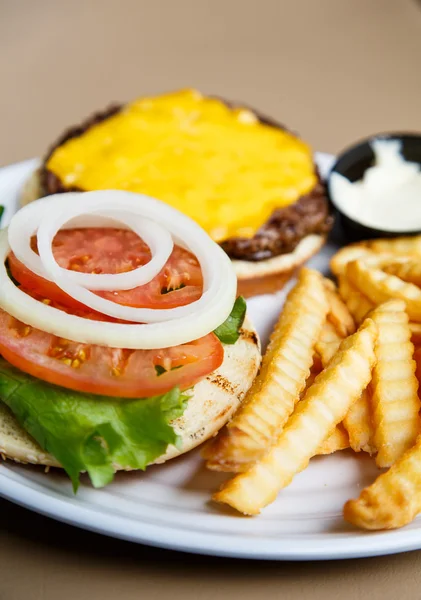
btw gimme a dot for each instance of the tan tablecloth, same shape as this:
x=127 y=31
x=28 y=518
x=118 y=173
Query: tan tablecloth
x=335 y=70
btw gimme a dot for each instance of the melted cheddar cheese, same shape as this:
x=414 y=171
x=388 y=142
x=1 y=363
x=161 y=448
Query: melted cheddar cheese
x=218 y=165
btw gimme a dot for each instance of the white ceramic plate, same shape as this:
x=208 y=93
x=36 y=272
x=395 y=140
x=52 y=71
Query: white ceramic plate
x=168 y=506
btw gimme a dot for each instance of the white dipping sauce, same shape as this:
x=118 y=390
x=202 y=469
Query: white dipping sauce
x=388 y=196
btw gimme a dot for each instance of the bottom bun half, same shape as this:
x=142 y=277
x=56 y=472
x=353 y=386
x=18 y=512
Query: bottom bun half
x=270 y=275
x=213 y=401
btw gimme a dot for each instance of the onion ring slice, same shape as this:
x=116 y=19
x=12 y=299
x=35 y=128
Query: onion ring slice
x=25 y=224
x=165 y=328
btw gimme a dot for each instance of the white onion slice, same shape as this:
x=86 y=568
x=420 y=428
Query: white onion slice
x=25 y=224
x=166 y=327
x=61 y=212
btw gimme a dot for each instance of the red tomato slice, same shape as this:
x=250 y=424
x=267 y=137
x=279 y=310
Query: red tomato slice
x=103 y=370
x=39 y=287
x=80 y=311
x=97 y=250
x=107 y=371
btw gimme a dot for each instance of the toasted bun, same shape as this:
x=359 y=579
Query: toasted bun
x=268 y=276
x=259 y=277
x=213 y=402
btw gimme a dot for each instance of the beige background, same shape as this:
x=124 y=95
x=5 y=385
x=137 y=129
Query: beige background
x=335 y=70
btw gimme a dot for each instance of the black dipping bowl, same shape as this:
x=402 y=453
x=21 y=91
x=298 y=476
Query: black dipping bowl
x=352 y=163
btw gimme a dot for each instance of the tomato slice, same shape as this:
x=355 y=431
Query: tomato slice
x=79 y=311
x=100 y=250
x=102 y=370
x=108 y=371
x=41 y=288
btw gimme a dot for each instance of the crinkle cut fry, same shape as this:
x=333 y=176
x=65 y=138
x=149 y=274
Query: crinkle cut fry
x=394 y=385
x=338 y=313
x=381 y=287
x=338 y=440
x=326 y=347
x=394 y=499
x=347 y=254
x=357 y=422
x=415 y=329
x=328 y=343
x=401 y=245
x=324 y=406
x=276 y=390
x=315 y=369
x=358 y=304
x=410 y=246
x=408 y=270
x=417 y=358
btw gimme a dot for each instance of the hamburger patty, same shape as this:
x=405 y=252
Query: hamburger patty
x=279 y=235
x=285 y=228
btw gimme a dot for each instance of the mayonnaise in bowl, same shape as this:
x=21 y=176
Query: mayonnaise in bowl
x=388 y=197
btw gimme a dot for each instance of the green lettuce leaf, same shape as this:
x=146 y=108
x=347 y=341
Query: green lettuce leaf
x=1 y=212
x=229 y=331
x=88 y=432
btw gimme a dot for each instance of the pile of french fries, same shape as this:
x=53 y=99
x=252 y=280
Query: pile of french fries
x=341 y=371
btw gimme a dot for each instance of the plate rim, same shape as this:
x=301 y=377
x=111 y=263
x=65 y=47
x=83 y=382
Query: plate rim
x=31 y=495
x=354 y=545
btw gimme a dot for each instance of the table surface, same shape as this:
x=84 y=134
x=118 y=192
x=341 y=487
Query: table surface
x=335 y=71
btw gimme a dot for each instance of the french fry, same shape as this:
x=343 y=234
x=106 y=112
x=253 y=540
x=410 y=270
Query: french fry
x=282 y=378
x=324 y=406
x=394 y=499
x=328 y=343
x=329 y=284
x=338 y=313
x=348 y=254
x=410 y=246
x=229 y=467
x=326 y=347
x=380 y=287
x=407 y=270
x=417 y=358
x=401 y=245
x=394 y=385
x=357 y=422
x=358 y=304
x=239 y=467
x=383 y=259
x=315 y=369
x=338 y=440
x=415 y=333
